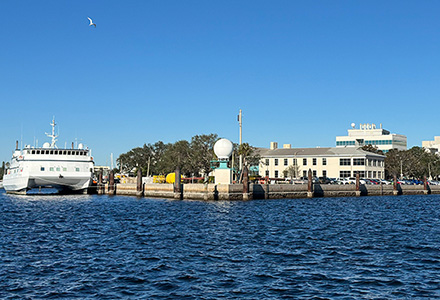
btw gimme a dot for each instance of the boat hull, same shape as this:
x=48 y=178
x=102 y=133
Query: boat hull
x=22 y=184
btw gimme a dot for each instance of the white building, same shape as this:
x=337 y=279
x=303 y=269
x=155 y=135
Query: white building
x=432 y=146
x=368 y=134
x=339 y=162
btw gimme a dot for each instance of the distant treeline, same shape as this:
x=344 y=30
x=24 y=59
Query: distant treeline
x=193 y=157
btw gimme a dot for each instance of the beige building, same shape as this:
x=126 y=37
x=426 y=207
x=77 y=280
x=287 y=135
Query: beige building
x=335 y=162
x=369 y=134
x=432 y=146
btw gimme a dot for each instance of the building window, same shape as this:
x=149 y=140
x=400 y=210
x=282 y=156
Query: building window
x=294 y=162
x=344 y=174
x=361 y=173
x=314 y=161
x=344 y=161
x=359 y=162
x=276 y=174
x=304 y=161
x=314 y=173
x=304 y=173
x=286 y=162
x=345 y=143
x=324 y=173
x=267 y=161
x=324 y=161
x=374 y=163
x=369 y=174
x=374 y=174
x=379 y=174
x=276 y=161
x=267 y=173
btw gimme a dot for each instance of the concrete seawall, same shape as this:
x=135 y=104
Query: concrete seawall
x=262 y=191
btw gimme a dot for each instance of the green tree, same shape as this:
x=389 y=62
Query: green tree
x=412 y=163
x=371 y=148
x=293 y=171
x=202 y=153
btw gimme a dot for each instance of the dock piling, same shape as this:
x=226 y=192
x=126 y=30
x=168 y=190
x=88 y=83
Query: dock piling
x=310 y=185
x=177 y=185
x=139 y=186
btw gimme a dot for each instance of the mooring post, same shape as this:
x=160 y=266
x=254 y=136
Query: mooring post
x=246 y=194
x=101 y=189
x=310 y=185
x=177 y=185
x=139 y=187
x=111 y=183
x=425 y=186
x=358 y=191
x=395 y=191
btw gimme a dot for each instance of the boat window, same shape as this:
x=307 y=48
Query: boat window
x=68 y=152
x=38 y=151
x=58 y=168
x=51 y=151
x=51 y=169
x=33 y=151
x=77 y=169
x=64 y=169
x=64 y=152
x=41 y=168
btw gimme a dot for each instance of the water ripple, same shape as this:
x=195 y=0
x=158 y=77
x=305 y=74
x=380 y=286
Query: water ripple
x=99 y=247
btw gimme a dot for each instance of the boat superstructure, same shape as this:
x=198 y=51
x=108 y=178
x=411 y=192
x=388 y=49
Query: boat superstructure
x=49 y=166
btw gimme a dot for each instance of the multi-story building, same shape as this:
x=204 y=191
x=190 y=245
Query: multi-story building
x=339 y=162
x=368 y=134
x=432 y=146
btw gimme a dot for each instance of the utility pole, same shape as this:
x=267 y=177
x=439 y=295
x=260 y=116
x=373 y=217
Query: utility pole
x=241 y=156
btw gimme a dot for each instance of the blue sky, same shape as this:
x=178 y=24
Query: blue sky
x=301 y=71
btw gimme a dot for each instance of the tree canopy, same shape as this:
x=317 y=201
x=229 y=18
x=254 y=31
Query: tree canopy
x=193 y=157
x=412 y=163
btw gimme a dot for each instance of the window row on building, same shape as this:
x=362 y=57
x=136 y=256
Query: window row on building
x=294 y=161
x=345 y=143
x=342 y=174
x=361 y=162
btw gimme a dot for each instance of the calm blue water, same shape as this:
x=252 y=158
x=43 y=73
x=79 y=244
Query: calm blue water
x=103 y=247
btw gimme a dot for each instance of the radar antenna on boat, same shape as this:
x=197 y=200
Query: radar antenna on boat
x=53 y=136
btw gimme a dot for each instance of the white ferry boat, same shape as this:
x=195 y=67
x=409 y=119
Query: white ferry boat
x=67 y=170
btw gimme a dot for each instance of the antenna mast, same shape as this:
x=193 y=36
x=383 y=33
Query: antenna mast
x=53 y=136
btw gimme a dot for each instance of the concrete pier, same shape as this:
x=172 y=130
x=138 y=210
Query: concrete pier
x=199 y=191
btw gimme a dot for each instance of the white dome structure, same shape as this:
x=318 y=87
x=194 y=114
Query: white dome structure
x=223 y=149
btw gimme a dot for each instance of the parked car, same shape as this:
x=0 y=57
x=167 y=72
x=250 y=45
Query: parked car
x=324 y=180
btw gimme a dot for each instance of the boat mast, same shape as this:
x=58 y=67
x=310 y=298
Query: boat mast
x=53 y=136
